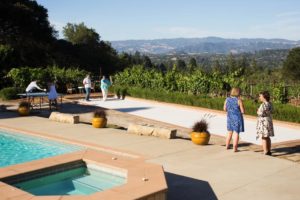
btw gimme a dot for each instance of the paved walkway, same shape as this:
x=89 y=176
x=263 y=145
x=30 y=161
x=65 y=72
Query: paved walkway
x=192 y=172
x=185 y=116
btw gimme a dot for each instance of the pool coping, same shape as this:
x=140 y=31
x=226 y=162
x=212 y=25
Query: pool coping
x=75 y=142
x=143 y=179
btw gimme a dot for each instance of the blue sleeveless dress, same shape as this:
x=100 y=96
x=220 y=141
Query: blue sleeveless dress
x=235 y=120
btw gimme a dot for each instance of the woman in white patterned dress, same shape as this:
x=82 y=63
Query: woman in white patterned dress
x=264 y=126
x=52 y=94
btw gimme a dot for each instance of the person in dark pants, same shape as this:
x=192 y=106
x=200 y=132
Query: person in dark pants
x=87 y=83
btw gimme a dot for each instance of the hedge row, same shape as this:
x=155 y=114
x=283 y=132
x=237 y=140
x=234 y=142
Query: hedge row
x=282 y=112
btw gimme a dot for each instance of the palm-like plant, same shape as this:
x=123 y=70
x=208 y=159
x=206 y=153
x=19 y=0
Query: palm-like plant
x=201 y=126
x=100 y=113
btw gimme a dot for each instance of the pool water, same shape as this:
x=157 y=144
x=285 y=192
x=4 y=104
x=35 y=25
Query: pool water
x=77 y=181
x=17 y=148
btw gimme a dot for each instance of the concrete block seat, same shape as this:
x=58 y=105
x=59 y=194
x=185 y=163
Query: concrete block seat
x=65 y=118
x=150 y=130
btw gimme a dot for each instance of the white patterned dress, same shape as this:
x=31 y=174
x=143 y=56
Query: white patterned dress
x=264 y=125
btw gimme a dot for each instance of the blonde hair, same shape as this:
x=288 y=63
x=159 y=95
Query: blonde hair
x=235 y=92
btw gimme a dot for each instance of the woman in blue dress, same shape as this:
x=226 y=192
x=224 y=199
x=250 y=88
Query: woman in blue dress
x=234 y=107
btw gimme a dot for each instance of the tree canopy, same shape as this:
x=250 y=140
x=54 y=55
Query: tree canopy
x=25 y=31
x=28 y=39
x=24 y=20
x=291 y=67
x=80 y=34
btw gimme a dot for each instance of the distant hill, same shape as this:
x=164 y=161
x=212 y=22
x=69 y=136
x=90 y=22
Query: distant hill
x=202 y=45
x=269 y=59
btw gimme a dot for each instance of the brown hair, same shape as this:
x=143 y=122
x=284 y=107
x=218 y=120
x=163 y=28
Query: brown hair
x=235 y=92
x=266 y=95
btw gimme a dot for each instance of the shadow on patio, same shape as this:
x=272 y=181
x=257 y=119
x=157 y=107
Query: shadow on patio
x=182 y=187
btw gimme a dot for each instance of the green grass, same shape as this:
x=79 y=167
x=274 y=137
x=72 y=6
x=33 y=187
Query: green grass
x=282 y=112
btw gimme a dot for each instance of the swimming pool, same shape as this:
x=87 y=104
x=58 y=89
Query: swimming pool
x=126 y=174
x=75 y=178
x=17 y=148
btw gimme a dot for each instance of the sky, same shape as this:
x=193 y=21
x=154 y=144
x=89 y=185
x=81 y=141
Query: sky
x=156 y=19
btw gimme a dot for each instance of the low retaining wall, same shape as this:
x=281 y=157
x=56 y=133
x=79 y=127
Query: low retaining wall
x=151 y=131
x=65 y=118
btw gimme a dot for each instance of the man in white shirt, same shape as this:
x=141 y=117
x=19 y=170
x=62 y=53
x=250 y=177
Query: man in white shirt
x=87 y=83
x=33 y=85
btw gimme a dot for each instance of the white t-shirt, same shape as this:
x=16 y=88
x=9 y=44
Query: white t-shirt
x=87 y=82
x=32 y=86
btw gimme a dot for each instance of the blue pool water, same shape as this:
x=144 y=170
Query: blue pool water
x=18 y=148
x=76 y=181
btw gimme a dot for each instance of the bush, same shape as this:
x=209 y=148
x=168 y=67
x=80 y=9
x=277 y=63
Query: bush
x=123 y=91
x=286 y=112
x=22 y=76
x=116 y=90
x=9 y=93
x=282 y=112
x=280 y=94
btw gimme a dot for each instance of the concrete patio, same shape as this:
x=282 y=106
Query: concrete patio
x=185 y=116
x=192 y=172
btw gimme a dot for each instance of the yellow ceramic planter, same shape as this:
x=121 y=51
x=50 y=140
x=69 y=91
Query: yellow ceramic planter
x=99 y=122
x=200 y=138
x=23 y=111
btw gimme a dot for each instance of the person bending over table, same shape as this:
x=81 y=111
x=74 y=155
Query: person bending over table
x=32 y=86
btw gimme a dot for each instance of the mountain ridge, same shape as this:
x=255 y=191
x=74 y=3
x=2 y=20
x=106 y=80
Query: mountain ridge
x=202 y=45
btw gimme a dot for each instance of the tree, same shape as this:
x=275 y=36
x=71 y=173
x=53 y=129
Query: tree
x=25 y=28
x=162 y=67
x=253 y=67
x=181 y=66
x=80 y=34
x=242 y=64
x=217 y=68
x=27 y=39
x=24 y=20
x=147 y=62
x=5 y=56
x=192 y=64
x=291 y=66
x=231 y=64
x=137 y=58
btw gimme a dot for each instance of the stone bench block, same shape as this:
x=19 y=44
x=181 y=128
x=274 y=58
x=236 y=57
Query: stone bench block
x=65 y=118
x=151 y=130
x=140 y=129
x=164 y=133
